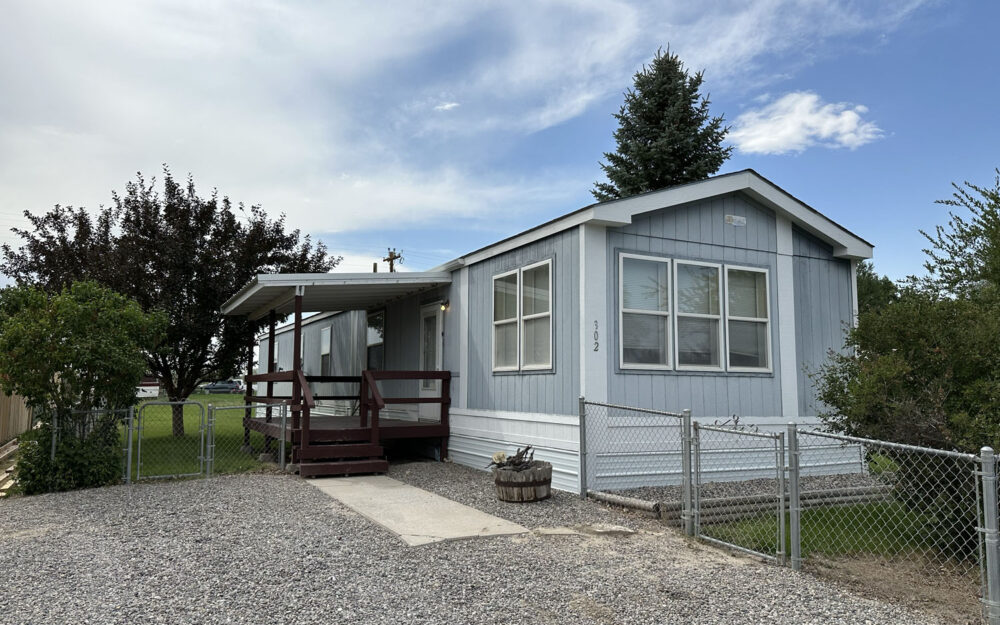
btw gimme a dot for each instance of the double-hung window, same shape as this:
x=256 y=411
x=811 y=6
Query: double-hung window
x=324 y=351
x=644 y=311
x=522 y=318
x=747 y=319
x=698 y=320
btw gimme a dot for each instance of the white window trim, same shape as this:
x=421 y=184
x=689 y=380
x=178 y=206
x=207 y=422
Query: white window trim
x=519 y=319
x=622 y=312
x=766 y=320
x=721 y=317
x=522 y=317
x=514 y=320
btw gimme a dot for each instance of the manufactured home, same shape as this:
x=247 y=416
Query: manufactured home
x=718 y=296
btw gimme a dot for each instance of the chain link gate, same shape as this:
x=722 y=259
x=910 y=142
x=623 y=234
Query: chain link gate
x=166 y=448
x=229 y=442
x=739 y=489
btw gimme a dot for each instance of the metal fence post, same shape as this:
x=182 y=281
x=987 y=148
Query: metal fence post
x=583 y=448
x=696 y=478
x=794 y=503
x=210 y=441
x=782 y=552
x=687 y=504
x=991 y=536
x=281 y=443
x=128 y=442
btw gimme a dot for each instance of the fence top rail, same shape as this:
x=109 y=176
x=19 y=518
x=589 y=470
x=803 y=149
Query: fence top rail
x=725 y=430
x=101 y=411
x=663 y=413
x=900 y=446
x=252 y=406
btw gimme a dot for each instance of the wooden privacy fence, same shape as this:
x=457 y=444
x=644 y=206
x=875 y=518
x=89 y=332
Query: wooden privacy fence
x=15 y=417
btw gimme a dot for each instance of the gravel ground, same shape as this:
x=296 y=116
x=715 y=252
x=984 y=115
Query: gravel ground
x=712 y=490
x=272 y=549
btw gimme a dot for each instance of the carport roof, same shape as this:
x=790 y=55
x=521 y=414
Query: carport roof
x=328 y=291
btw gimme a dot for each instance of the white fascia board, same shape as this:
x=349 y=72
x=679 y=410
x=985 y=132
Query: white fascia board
x=845 y=245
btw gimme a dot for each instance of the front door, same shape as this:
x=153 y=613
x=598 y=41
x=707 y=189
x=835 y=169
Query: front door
x=431 y=346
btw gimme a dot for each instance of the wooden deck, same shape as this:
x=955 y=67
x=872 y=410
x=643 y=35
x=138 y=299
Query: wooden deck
x=348 y=429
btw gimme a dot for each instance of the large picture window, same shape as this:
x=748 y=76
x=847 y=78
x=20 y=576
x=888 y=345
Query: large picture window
x=644 y=311
x=522 y=318
x=692 y=316
x=699 y=315
x=747 y=319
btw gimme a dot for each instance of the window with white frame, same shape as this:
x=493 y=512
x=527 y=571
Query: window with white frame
x=698 y=317
x=505 y=321
x=324 y=351
x=747 y=319
x=692 y=315
x=644 y=311
x=522 y=318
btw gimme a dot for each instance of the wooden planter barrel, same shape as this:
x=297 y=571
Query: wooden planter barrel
x=531 y=484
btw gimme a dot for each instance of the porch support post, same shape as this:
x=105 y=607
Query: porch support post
x=296 y=359
x=297 y=367
x=445 y=417
x=271 y=321
x=247 y=394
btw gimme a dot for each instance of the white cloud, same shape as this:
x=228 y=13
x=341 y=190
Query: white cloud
x=327 y=110
x=801 y=120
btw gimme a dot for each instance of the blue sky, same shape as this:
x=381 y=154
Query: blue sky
x=439 y=129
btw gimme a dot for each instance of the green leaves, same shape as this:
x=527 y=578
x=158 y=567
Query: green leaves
x=666 y=135
x=174 y=251
x=79 y=349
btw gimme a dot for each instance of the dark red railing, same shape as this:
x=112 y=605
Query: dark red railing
x=370 y=398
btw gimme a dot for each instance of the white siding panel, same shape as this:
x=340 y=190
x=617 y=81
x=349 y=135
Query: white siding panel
x=477 y=434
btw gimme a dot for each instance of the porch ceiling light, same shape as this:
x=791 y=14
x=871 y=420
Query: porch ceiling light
x=444 y=305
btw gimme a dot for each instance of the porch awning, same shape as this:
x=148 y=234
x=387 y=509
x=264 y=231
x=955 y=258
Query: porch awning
x=325 y=292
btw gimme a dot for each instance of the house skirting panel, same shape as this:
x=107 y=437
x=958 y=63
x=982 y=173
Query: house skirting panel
x=477 y=434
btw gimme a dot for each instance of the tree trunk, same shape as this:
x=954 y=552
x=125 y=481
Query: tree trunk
x=178 y=420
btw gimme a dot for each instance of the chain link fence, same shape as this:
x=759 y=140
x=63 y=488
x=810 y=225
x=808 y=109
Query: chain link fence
x=913 y=522
x=739 y=489
x=163 y=439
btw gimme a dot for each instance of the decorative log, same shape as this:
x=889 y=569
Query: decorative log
x=531 y=484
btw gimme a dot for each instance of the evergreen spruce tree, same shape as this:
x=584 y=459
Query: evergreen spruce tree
x=665 y=135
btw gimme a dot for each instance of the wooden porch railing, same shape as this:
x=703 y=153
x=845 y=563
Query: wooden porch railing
x=370 y=399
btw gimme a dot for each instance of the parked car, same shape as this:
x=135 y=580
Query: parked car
x=224 y=386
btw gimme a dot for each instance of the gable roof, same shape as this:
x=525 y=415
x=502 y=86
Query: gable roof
x=620 y=212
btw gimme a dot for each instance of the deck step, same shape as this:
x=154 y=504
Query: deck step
x=326 y=452
x=343 y=467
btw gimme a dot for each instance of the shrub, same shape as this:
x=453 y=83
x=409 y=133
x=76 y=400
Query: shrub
x=94 y=459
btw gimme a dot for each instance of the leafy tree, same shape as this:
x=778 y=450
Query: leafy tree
x=81 y=348
x=665 y=134
x=964 y=255
x=874 y=291
x=923 y=364
x=176 y=252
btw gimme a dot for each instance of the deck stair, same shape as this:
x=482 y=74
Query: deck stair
x=340 y=459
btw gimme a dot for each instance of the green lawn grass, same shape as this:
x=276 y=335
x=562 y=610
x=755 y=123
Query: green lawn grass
x=160 y=453
x=880 y=529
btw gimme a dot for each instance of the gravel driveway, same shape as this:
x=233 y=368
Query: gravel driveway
x=272 y=549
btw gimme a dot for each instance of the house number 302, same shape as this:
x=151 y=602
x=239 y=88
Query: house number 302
x=597 y=344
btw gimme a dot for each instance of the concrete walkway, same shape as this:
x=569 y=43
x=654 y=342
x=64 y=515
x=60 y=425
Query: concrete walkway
x=415 y=515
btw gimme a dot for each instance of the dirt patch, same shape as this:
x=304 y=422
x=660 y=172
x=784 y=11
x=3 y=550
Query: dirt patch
x=943 y=593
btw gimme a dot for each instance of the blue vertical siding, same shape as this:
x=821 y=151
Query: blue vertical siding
x=698 y=231
x=823 y=308
x=552 y=392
